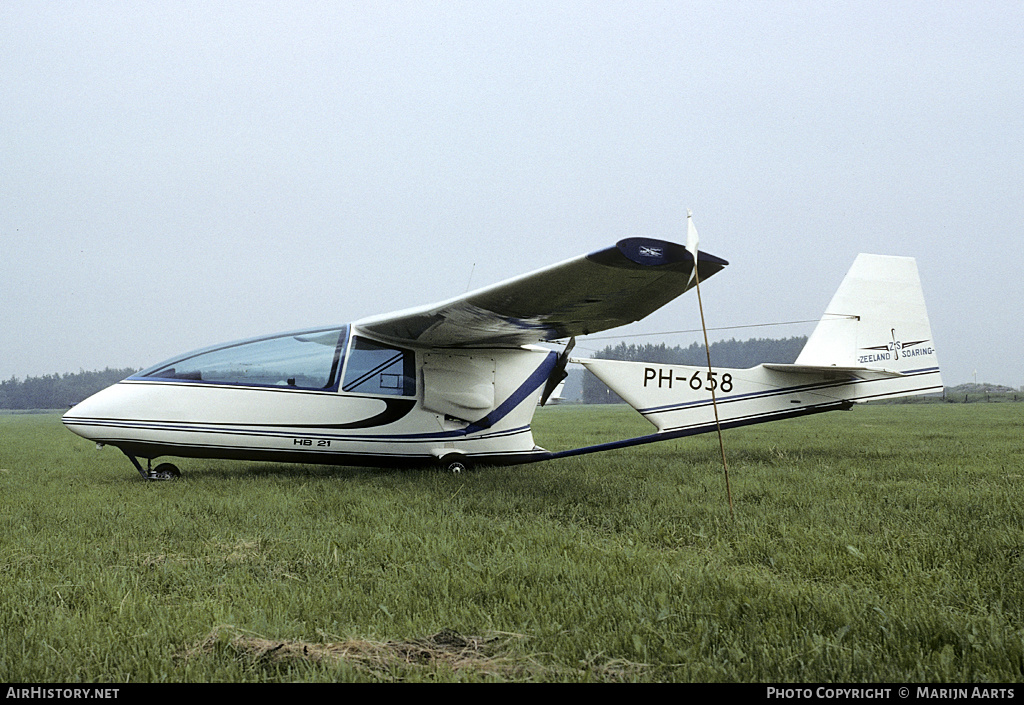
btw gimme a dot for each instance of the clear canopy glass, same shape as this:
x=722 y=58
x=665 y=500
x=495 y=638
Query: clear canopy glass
x=302 y=360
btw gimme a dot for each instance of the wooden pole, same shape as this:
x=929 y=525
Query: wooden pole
x=714 y=385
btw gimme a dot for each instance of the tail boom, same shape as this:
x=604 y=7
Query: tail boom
x=678 y=397
x=873 y=342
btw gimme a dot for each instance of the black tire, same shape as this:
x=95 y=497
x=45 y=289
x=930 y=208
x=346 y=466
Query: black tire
x=455 y=463
x=166 y=471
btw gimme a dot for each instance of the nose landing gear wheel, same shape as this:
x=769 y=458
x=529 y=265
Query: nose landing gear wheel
x=163 y=471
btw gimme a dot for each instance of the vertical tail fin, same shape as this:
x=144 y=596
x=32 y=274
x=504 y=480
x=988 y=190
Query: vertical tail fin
x=876 y=319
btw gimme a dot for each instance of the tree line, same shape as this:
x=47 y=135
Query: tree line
x=57 y=391
x=60 y=391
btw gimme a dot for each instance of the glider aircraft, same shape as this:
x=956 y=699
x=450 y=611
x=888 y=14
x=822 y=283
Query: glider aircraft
x=457 y=383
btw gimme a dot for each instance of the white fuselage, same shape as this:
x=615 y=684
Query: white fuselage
x=477 y=404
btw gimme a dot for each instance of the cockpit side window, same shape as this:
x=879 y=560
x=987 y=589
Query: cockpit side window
x=376 y=368
x=308 y=360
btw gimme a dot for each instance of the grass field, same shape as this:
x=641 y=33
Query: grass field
x=884 y=544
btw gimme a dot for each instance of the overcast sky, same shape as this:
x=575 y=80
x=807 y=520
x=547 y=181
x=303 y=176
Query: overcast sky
x=177 y=174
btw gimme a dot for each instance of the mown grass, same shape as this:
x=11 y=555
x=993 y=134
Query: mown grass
x=882 y=544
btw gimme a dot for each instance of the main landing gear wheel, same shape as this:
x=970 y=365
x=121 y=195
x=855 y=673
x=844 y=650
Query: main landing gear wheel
x=165 y=471
x=454 y=463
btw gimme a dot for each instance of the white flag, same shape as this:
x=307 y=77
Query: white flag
x=691 y=242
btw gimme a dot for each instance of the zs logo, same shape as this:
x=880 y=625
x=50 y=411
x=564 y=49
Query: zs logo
x=893 y=349
x=895 y=346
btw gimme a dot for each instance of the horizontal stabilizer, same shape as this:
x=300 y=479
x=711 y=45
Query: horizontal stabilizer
x=832 y=369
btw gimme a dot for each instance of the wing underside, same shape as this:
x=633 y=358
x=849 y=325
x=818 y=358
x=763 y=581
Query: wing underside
x=588 y=294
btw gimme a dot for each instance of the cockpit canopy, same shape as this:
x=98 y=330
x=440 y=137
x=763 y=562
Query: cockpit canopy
x=308 y=360
x=302 y=360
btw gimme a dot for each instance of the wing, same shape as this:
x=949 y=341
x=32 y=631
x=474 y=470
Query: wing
x=588 y=294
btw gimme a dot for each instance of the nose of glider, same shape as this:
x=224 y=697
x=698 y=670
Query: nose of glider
x=92 y=417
